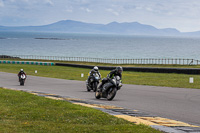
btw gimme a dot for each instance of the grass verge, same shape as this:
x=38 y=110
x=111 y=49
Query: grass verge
x=138 y=78
x=24 y=112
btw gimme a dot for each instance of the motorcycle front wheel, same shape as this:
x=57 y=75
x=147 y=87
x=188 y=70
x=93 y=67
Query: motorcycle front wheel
x=88 y=88
x=21 y=82
x=98 y=94
x=111 y=94
x=95 y=86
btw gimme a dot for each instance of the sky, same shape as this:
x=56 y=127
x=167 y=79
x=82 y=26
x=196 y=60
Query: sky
x=184 y=15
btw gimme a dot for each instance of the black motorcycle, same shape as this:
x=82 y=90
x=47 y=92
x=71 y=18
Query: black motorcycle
x=22 y=79
x=110 y=88
x=93 y=83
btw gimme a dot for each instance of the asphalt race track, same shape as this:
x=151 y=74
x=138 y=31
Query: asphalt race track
x=173 y=103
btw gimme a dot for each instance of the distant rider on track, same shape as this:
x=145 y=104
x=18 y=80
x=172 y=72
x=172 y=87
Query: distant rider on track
x=20 y=73
x=90 y=75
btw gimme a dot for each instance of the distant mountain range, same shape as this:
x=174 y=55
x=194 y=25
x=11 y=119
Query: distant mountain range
x=70 y=26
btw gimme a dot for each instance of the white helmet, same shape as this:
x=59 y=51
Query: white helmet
x=21 y=70
x=96 y=68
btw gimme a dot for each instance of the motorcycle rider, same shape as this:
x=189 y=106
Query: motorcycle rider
x=116 y=72
x=90 y=75
x=20 y=73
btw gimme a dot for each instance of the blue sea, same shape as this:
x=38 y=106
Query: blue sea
x=98 y=46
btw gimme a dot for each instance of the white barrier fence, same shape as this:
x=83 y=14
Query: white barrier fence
x=175 y=61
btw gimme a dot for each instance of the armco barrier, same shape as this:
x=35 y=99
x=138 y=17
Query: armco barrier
x=141 y=69
x=27 y=62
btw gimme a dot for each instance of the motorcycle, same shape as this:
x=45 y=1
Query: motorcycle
x=22 y=79
x=93 y=83
x=111 y=88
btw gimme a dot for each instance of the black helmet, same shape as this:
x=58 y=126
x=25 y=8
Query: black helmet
x=119 y=69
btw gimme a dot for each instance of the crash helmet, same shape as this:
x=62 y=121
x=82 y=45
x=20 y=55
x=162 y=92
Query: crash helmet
x=119 y=69
x=96 y=68
x=21 y=70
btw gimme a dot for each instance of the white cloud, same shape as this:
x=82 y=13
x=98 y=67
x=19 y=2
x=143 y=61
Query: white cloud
x=113 y=12
x=88 y=10
x=48 y=2
x=1 y=3
x=69 y=10
x=149 y=9
x=11 y=1
x=25 y=0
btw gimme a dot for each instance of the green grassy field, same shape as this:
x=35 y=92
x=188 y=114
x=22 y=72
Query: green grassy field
x=138 y=78
x=23 y=112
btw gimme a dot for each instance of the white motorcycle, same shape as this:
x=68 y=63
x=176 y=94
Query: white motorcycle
x=22 y=79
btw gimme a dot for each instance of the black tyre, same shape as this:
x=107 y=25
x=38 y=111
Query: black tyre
x=98 y=94
x=21 y=82
x=88 y=88
x=95 y=86
x=111 y=94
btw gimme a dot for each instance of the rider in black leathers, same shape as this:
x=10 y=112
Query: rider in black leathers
x=94 y=70
x=116 y=72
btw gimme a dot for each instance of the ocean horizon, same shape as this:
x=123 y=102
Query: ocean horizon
x=98 y=45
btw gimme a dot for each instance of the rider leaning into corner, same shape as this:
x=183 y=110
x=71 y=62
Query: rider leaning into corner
x=116 y=72
x=20 y=73
x=94 y=70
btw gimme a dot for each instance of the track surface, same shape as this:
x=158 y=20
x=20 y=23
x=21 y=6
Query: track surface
x=174 y=103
